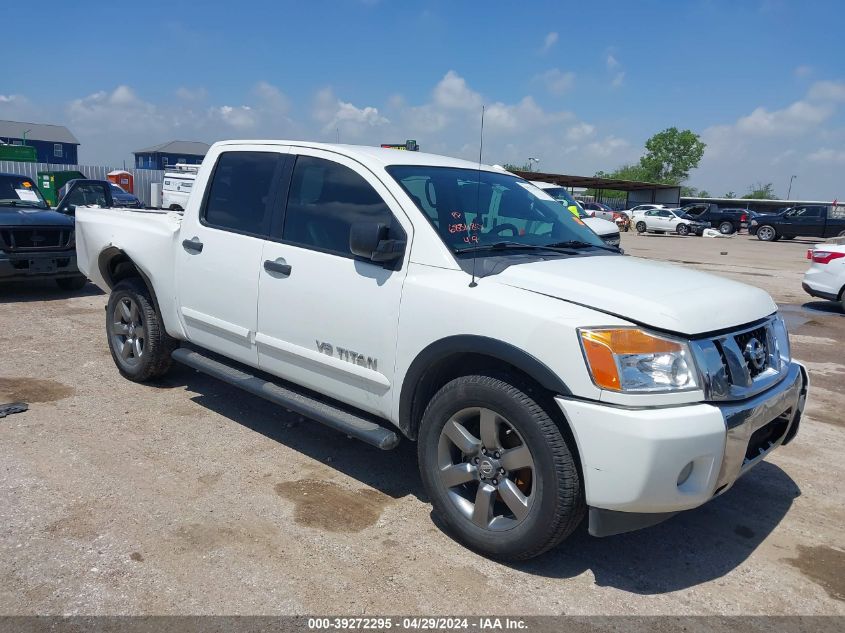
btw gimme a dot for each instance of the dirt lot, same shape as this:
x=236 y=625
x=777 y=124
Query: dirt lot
x=189 y=497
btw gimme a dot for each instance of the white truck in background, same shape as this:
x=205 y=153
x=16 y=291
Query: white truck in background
x=544 y=375
x=177 y=186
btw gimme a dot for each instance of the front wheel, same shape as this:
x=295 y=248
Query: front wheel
x=726 y=228
x=641 y=227
x=766 y=233
x=138 y=342
x=683 y=229
x=497 y=469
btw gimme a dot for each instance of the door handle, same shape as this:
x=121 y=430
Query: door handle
x=192 y=244
x=278 y=266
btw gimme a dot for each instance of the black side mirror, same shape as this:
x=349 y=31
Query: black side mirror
x=369 y=240
x=69 y=209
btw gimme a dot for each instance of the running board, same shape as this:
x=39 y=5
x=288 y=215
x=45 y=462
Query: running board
x=339 y=419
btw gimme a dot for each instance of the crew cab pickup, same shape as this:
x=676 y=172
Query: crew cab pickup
x=810 y=220
x=544 y=375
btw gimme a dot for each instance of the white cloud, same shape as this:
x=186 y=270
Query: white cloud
x=611 y=62
x=343 y=116
x=549 y=41
x=240 y=118
x=452 y=92
x=795 y=119
x=608 y=147
x=618 y=80
x=827 y=91
x=580 y=132
x=827 y=155
x=556 y=81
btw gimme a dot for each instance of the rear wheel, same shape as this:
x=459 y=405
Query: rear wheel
x=71 y=283
x=683 y=229
x=138 y=342
x=766 y=233
x=726 y=228
x=641 y=227
x=497 y=468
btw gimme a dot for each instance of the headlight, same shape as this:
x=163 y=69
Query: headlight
x=632 y=360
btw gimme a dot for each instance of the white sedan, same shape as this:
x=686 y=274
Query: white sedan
x=667 y=221
x=826 y=277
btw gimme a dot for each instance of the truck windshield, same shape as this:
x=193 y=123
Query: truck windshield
x=469 y=208
x=19 y=191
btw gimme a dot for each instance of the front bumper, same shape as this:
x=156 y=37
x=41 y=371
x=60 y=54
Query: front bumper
x=641 y=466
x=39 y=264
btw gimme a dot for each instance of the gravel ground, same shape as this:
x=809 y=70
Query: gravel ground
x=189 y=497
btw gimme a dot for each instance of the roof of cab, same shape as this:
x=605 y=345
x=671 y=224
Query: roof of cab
x=374 y=155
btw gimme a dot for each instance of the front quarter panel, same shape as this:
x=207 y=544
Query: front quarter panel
x=438 y=304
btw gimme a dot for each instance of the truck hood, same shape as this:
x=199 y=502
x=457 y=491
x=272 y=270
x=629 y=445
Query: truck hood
x=28 y=216
x=655 y=294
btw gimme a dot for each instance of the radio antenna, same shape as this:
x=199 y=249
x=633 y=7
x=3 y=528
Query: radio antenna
x=473 y=283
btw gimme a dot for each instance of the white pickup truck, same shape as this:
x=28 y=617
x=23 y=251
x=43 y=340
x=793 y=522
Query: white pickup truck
x=544 y=375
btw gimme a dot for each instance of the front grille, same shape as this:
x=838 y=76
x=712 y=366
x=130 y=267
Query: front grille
x=742 y=341
x=742 y=363
x=35 y=239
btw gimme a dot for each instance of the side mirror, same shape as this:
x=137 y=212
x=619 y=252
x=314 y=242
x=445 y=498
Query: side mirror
x=369 y=240
x=70 y=209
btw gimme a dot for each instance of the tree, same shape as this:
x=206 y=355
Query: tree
x=730 y=194
x=703 y=193
x=761 y=191
x=525 y=167
x=671 y=154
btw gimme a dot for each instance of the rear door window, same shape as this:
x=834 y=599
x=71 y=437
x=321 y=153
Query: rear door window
x=242 y=192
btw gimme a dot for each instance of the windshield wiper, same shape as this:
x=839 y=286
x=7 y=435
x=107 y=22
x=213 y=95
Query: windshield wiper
x=500 y=246
x=582 y=244
x=11 y=202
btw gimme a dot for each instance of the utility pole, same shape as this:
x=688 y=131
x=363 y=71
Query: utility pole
x=24 y=135
x=789 y=192
x=532 y=162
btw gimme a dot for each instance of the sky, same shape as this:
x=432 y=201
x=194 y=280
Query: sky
x=578 y=85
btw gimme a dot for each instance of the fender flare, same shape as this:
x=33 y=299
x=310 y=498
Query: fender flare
x=470 y=344
x=107 y=255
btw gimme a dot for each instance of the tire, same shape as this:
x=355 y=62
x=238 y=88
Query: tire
x=726 y=228
x=641 y=227
x=767 y=233
x=683 y=229
x=550 y=499
x=137 y=340
x=71 y=283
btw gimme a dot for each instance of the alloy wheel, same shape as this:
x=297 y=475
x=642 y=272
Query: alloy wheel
x=128 y=332
x=486 y=468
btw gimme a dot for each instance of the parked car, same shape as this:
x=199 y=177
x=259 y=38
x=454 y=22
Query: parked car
x=177 y=186
x=811 y=220
x=123 y=198
x=727 y=221
x=35 y=241
x=668 y=221
x=607 y=231
x=826 y=277
x=544 y=375
x=636 y=212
